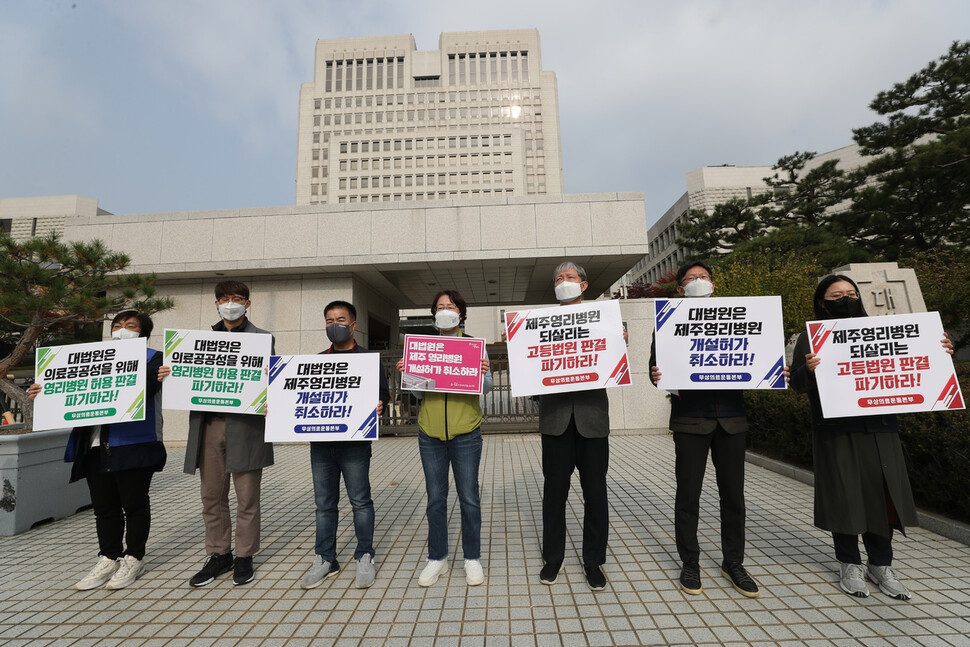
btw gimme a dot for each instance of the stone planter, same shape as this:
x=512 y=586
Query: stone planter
x=34 y=481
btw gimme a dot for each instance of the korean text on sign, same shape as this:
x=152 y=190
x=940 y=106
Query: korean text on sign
x=216 y=371
x=91 y=384
x=720 y=343
x=443 y=363
x=889 y=364
x=566 y=348
x=325 y=397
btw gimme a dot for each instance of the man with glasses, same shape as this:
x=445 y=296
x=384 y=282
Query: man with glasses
x=707 y=421
x=224 y=445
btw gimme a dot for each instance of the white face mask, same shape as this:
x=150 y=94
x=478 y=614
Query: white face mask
x=568 y=291
x=699 y=288
x=446 y=319
x=124 y=333
x=231 y=311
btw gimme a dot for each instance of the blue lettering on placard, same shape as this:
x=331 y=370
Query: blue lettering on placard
x=720 y=377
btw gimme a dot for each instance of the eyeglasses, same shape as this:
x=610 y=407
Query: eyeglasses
x=447 y=306
x=233 y=299
x=691 y=279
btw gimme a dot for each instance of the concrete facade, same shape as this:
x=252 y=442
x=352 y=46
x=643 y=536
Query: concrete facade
x=885 y=288
x=26 y=217
x=382 y=258
x=706 y=188
x=383 y=121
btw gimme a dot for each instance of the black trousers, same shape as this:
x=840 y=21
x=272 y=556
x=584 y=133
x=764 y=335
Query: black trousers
x=122 y=511
x=879 y=548
x=560 y=456
x=727 y=454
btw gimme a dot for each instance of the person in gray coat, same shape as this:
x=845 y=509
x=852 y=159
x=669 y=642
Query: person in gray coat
x=861 y=483
x=575 y=428
x=233 y=445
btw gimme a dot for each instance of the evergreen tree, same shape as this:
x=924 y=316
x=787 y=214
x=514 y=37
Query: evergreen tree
x=918 y=192
x=48 y=286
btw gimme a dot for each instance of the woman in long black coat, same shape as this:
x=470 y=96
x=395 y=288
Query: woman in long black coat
x=861 y=483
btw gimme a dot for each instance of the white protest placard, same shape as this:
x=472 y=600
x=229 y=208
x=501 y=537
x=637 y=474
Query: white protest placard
x=330 y=396
x=216 y=371
x=720 y=343
x=566 y=348
x=90 y=384
x=888 y=364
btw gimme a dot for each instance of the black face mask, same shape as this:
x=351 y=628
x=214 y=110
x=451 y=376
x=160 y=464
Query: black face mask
x=844 y=307
x=338 y=333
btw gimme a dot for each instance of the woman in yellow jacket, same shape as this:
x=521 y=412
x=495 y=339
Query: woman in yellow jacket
x=450 y=433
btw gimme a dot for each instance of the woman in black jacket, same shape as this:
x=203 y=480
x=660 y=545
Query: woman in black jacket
x=861 y=483
x=118 y=462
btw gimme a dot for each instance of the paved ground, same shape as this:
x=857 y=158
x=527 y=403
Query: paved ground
x=800 y=602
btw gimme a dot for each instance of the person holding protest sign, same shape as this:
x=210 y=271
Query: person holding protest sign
x=707 y=422
x=575 y=429
x=450 y=434
x=118 y=462
x=224 y=445
x=328 y=460
x=861 y=483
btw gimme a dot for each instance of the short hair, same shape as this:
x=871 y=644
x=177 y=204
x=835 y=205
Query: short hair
x=569 y=265
x=823 y=286
x=144 y=321
x=229 y=288
x=349 y=307
x=455 y=298
x=682 y=272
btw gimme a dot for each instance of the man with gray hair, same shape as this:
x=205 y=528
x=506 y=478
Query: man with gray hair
x=575 y=427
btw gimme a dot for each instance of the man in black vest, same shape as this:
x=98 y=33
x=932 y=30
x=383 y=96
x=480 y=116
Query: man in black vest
x=702 y=422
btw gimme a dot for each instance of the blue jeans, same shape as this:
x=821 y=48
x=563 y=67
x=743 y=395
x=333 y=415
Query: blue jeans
x=464 y=453
x=328 y=461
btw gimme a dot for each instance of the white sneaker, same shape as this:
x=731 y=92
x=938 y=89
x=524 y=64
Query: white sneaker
x=432 y=571
x=474 y=575
x=100 y=574
x=129 y=568
x=888 y=581
x=852 y=580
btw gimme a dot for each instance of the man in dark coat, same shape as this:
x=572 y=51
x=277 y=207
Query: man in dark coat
x=228 y=445
x=575 y=427
x=707 y=421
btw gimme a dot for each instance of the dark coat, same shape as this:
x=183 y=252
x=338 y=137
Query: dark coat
x=246 y=449
x=591 y=409
x=701 y=411
x=858 y=462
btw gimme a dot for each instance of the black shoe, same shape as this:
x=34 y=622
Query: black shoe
x=214 y=566
x=740 y=579
x=242 y=571
x=549 y=573
x=595 y=578
x=690 y=579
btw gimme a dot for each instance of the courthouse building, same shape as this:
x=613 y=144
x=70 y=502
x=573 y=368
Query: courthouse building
x=383 y=121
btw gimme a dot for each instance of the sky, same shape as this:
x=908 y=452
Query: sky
x=177 y=105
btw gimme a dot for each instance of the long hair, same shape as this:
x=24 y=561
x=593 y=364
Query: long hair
x=819 y=298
